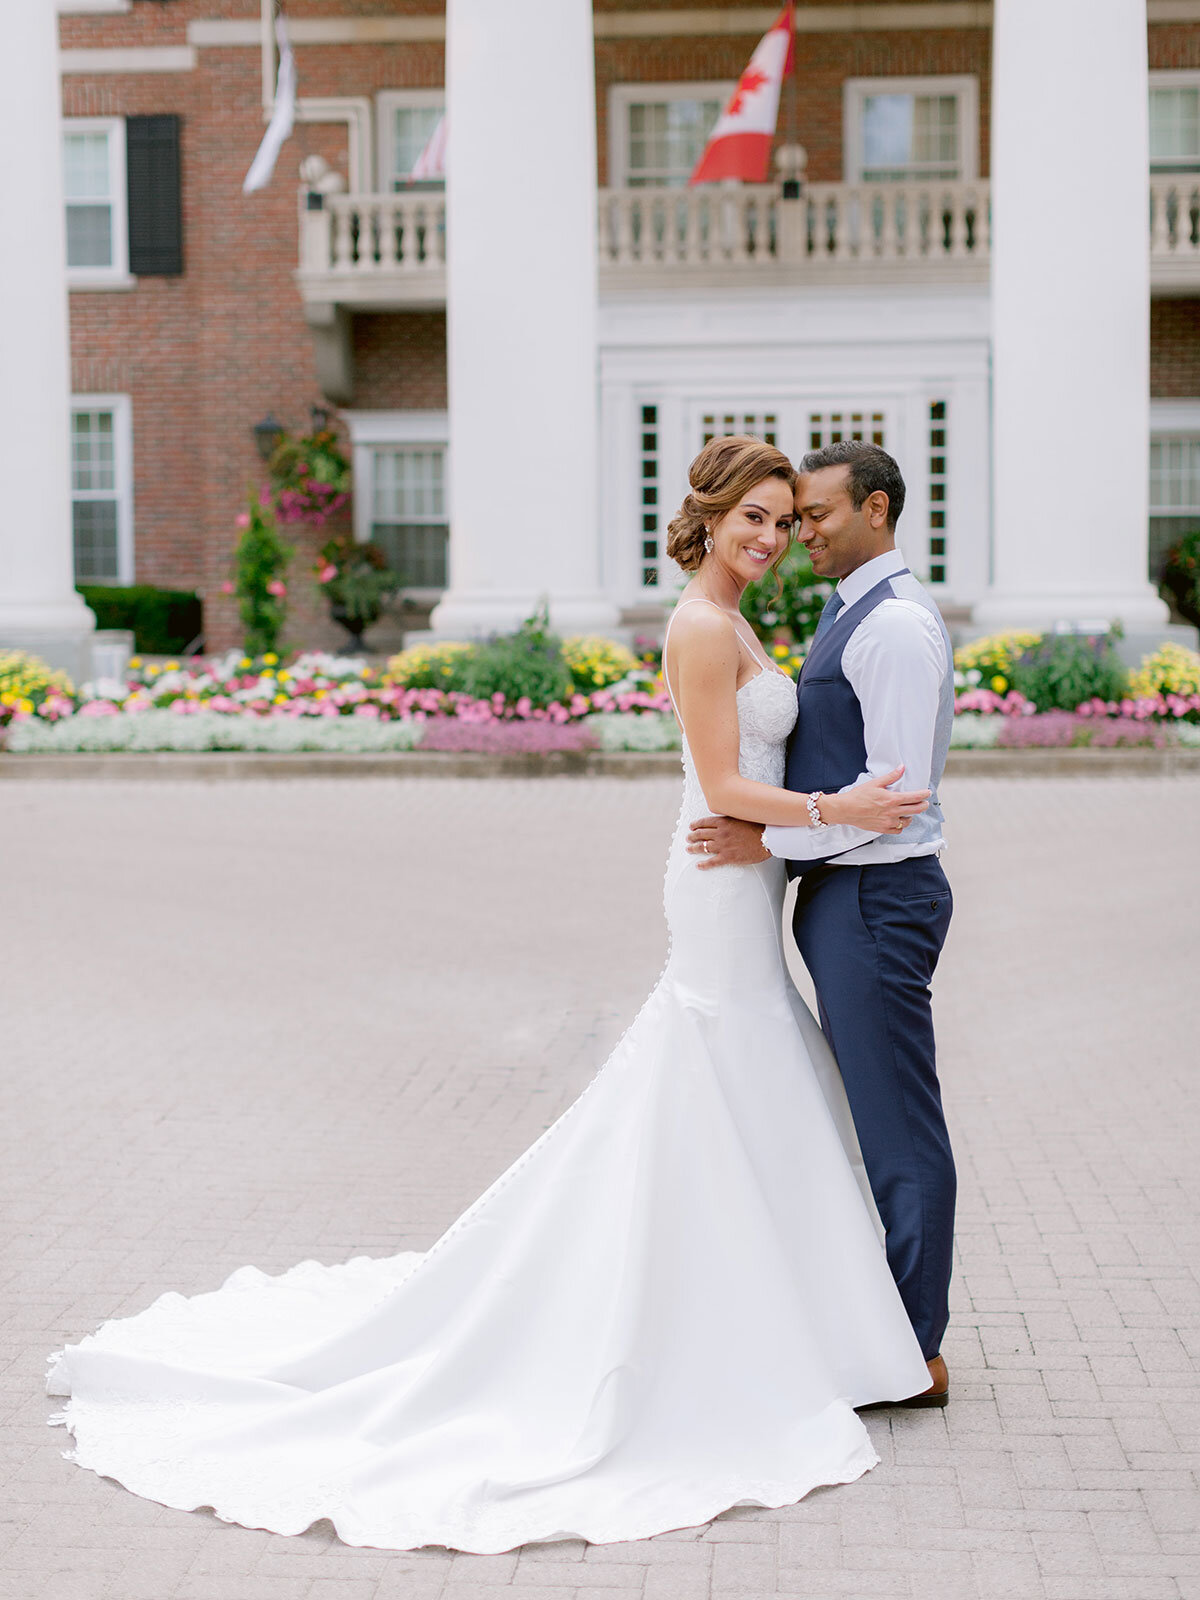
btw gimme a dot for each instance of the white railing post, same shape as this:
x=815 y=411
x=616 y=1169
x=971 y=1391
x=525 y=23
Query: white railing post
x=314 y=232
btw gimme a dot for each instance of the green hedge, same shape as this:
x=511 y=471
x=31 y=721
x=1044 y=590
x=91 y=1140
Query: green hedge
x=163 y=621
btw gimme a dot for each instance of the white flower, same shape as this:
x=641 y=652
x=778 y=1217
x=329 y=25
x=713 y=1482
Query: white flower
x=972 y=730
x=645 y=730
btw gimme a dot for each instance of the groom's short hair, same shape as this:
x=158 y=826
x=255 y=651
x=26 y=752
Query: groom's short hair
x=871 y=468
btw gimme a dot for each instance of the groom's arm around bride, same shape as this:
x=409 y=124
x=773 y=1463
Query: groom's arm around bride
x=872 y=910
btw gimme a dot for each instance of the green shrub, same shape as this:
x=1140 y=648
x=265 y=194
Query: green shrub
x=1068 y=668
x=260 y=561
x=163 y=621
x=793 y=604
x=1181 y=576
x=526 y=664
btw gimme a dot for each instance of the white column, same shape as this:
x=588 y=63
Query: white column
x=39 y=608
x=1070 y=303
x=521 y=313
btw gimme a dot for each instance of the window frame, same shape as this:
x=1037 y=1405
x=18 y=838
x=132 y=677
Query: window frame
x=387 y=101
x=376 y=430
x=965 y=88
x=116 y=275
x=121 y=406
x=622 y=95
x=1175 y=79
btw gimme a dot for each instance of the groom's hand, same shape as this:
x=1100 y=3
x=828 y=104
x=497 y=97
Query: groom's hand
x=726 y=842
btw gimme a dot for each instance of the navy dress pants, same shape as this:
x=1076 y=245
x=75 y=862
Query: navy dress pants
x=871 y=936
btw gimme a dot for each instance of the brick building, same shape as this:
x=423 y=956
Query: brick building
x=854 y=298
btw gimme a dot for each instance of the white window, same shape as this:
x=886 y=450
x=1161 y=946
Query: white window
x=406 y=119
x=94 y=189
x=102 y=488
x=911 y=129
x=400 y=500
x=657 y=131
x=1174 y=121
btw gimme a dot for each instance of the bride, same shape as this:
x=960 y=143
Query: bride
x=669 y=1305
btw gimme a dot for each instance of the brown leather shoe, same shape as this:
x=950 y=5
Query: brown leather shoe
x=936 y=1396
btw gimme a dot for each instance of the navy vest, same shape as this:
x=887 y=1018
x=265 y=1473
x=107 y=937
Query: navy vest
x=827 y=749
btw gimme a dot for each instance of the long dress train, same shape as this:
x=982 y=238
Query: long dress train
x=669 y=1305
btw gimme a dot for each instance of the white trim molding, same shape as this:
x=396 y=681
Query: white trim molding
x=121 y=407
x=116 y=274
x=1174 y=416
x=697 y=21
x=386 y=101
x=78 y=8
x=964 y=87
x=129 y=58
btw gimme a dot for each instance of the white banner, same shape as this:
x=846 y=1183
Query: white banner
x=283 y=117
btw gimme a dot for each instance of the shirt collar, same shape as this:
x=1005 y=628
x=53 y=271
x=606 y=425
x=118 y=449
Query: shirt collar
x=863 y=579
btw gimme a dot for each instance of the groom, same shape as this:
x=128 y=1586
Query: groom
x=876 y=693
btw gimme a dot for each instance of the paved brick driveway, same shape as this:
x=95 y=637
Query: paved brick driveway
x=257 y=1021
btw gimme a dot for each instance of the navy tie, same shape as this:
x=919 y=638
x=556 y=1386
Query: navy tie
x=832 y=606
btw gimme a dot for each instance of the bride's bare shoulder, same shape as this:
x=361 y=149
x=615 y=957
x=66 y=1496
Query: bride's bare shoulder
x=698 y=626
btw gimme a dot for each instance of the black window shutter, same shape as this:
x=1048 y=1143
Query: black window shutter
x=155 y=210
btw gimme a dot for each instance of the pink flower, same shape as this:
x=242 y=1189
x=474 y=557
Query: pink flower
x=277 y=586
x=227 y=586
x=302 y=468
x=327 y=573
x=366 y=711
x=242 y=520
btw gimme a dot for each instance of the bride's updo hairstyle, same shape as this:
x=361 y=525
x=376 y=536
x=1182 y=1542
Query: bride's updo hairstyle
x=721 y=476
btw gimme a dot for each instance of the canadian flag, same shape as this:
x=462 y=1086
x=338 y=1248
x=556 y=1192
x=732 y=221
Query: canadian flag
x=740 y=144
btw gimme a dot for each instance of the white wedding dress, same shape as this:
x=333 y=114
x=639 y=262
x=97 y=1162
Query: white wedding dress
x=669 y=1305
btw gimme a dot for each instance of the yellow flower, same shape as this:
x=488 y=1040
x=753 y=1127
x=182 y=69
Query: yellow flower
x=135 y=661
x=781 y=652
x=281 y=700
x=999 y=683
x=7 y=698
x=153 y=671
x=24 y=705
x=283 y=675
x=1171 y=669
x=318 y=694
x=172 y=666
x=245 y=662
x=270 y=658
x=266 y=671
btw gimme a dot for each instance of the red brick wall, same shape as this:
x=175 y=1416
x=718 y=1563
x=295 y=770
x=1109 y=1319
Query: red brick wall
x=400 y=361
x=1175 y=349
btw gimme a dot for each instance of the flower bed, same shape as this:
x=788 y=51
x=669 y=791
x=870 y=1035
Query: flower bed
x=314 y=702
x=323 y=702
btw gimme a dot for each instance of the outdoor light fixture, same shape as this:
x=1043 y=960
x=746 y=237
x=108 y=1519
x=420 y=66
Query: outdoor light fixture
x=267 y=435
x=320 y=418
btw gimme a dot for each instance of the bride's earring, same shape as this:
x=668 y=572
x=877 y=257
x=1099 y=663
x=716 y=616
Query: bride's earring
x=708 y=542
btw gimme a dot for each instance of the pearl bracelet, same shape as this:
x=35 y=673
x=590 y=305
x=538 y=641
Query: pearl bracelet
x=814 y=812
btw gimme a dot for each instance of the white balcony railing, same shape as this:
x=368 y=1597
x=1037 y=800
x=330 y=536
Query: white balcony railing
x=876 y=226
x=390 y=249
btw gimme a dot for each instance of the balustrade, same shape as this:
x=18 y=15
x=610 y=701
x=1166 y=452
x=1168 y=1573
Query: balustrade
x=875 y=231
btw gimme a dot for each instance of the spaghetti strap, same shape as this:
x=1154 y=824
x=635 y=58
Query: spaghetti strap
x=701 y=600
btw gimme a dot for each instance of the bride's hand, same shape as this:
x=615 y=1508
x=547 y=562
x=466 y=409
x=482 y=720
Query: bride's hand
x=875 y=807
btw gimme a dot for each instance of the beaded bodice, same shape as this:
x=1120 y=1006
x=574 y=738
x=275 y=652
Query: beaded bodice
x=766 y=708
